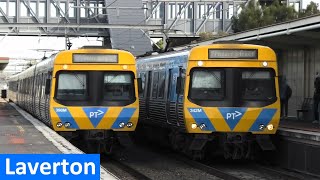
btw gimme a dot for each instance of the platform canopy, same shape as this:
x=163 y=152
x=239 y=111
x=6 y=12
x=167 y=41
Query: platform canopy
x=295 y=33
x=3 y=62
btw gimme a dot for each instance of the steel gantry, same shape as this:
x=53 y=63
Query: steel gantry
x=65 y=18
x=191 y=17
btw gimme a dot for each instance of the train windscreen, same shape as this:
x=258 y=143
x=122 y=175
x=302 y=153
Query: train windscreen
x=257 y=85
x=72 y=86
x=118 y=86
x=207 y=84
x=232 y=87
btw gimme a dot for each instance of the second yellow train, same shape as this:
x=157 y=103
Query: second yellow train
x=212 y=98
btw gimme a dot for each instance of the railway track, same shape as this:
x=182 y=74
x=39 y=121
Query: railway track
x=131 y=171
x=143 y=160
x=208 y=169
x=237 y=171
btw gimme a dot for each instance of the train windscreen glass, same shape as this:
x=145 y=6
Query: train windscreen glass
x=118 y=86
x=257 y=85
x=72 y=86
x=207 y=84
x=95 y=58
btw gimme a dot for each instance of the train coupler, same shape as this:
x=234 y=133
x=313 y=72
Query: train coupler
x=124 y=138
x=265 y=142
x=198 y=142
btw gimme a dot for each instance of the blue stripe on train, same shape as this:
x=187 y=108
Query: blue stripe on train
x=200 y=117
x=65 y=116
x=124 y=116
x=264 y=118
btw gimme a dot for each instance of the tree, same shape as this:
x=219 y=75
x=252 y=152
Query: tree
x=160 y=44
x=253 y=15
x=250 y=17
x=311 y=9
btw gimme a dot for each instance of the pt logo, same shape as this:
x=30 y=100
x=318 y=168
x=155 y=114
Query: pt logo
x=95 y=114
x=233 y=115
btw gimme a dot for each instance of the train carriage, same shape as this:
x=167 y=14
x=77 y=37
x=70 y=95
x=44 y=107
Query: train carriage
x=87 y=93
x=224 y=96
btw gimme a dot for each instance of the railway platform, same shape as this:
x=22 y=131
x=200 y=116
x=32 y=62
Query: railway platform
x=298 y=146
x=20 y=133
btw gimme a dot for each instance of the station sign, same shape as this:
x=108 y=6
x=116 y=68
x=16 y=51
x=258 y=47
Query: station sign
x=49 y=166
x=233 y=54
x=95 y=58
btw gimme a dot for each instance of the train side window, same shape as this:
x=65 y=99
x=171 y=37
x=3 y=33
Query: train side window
x=162 y=79
x=155 y=84
x=143 y=82
x=72 y=86
x=183 y=78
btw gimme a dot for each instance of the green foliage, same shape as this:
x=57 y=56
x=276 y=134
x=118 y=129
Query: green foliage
x=250 y=17
x=254 y=15
x=160 y=44
x=206 y=36
x=311 y=9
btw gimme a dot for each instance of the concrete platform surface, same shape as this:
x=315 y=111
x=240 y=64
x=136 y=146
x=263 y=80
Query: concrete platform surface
x=21 y=133
x=19 y=136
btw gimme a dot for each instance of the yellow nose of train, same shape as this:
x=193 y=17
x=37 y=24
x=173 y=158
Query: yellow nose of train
x=102 y=118
x=231 y=119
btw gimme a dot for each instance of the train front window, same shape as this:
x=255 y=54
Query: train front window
x=118 y=86
x=258 y=85
x=72 y=86
x=207 y=84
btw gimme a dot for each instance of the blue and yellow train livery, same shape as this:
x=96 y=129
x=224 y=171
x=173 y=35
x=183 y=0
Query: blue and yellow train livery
x=87 y=93
x=220 y=97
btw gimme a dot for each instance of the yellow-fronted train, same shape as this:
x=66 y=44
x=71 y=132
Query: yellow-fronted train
x=219 y=98
x=89 y=94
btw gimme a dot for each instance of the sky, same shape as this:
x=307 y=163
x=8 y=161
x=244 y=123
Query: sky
x=21 y=48
x=306 y=2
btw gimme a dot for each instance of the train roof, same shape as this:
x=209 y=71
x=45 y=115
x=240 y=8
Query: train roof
x=165 y=55
x=59 y=58
x=124 y=57
x=201 y=52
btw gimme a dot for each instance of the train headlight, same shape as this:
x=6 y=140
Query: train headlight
x=67 y=124
x=194 y=126
x=265 y=64
x=59 y=124
x=261 y=126
x=202 y=126
x=129 y=124
x=65 y=66
x=125 y=67
x=270 y=127
x=121 y=125
x=200 y=63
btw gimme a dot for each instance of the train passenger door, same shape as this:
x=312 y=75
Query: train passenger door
x=172 y=98
x=148 y=93
x=180 y=94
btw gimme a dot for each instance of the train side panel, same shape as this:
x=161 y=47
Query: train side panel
x=159 y=101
